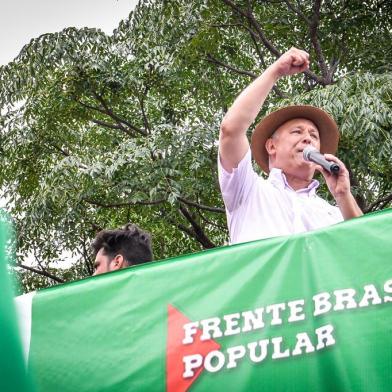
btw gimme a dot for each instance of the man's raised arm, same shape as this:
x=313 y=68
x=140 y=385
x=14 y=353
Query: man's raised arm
x=233 y=143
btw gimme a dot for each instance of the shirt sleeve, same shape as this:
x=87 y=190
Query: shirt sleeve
x=237 y=185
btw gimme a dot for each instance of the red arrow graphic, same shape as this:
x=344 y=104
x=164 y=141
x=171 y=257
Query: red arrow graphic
x=176 y=350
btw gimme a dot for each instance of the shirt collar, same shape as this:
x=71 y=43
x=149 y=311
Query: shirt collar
x=279 y=180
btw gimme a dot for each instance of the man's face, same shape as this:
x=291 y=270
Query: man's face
x=103 y=263
x=286 y=146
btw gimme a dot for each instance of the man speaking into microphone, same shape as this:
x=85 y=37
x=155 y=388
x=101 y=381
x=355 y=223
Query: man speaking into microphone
x=289 y=144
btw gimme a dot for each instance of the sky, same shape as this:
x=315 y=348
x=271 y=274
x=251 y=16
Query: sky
x=22 y=20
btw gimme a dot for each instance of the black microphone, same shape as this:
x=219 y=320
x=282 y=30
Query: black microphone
x=312 y=155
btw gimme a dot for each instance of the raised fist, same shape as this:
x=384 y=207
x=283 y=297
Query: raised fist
x=292 y=62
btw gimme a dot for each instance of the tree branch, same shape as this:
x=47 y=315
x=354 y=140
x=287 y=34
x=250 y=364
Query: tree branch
x=381 y=3
x=51 y=143
x=106 y=125
x=96 y=228
x=261 y=36
x=313 y=26
x=224 y=228
x=57 y=148
x=379 y=204
x=119 y=126
x=354 y=182
x=253 y=36
x=197 y=231
x=201 y=206
x=86 y=257
x=223 y=25
x=124 y=204
x=145 y=119
x=63 y=152
x=332 y=69
x=42 y=273
x=235 y=8
x=183 y=228
x=298 y=11
x=213 y=60
x=91 y=107
x=117 y=118
x=106 y=111
x=188 y=231
x=249 y=15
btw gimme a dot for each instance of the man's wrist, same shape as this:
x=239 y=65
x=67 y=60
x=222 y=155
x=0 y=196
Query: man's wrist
x=344 y=197
x=273 y=72
x=348 y=205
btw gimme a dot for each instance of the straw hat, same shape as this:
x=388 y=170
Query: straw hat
x=326 y=125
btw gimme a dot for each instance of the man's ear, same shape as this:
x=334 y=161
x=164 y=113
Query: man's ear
x=117 y=263
x=270 y=146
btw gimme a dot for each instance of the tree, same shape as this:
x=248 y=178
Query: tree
x=99 y=130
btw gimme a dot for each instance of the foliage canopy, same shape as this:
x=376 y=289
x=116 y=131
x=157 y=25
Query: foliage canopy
x=99 y=130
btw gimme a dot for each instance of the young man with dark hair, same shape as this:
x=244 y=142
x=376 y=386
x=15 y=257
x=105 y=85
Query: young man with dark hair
x=121 y=248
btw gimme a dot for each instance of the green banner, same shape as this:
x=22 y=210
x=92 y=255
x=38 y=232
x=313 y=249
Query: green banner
x=310 y=312
x=13 y=375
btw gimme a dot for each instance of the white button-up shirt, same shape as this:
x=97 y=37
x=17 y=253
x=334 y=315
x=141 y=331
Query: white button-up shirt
x=258 y=208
